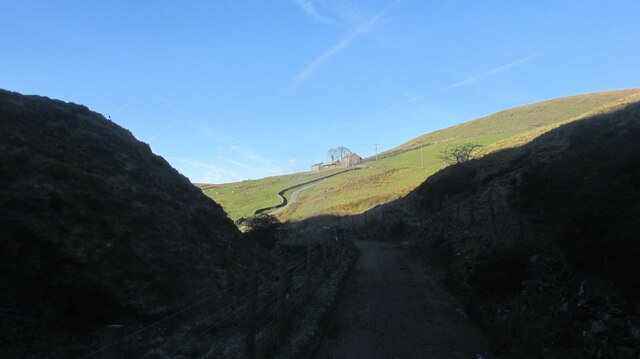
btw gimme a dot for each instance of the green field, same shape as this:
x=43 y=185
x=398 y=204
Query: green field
x=400 y=170
x=242 y=199
x=377 y=182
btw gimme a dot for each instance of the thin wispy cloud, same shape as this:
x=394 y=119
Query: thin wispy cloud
x=251 y=154
x=231 y=153
x=154 y=137
x=492 y=72
x=163 y=131
x=274 y=170
x=310 y=9
x=253 y=160
x=295 y=162
x=444 y=8
x=236 y=152
x=213 y=173
x=205 y=130
x=359 y=31
x=122 y=108
x=243 y=165
x=473 y=79
x=338 y=126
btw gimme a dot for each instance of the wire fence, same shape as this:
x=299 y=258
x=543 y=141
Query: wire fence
x=245 y=317
x=490 y=212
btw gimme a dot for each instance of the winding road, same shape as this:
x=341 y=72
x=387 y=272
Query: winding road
x=284 y=201
x=294 y=198
x=391 y=307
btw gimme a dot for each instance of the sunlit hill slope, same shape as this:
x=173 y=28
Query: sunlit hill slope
x=401 y=169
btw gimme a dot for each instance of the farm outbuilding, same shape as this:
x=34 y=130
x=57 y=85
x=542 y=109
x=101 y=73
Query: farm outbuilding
x=350 y=160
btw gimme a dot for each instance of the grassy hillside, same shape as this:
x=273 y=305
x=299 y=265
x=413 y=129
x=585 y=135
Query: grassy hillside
x=378 y=182
x=98 y=230
x=242 y=199
x=540 y=241
x=520 y=119
x=400 y=170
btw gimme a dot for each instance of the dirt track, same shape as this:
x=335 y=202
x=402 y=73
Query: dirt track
x=392 y=307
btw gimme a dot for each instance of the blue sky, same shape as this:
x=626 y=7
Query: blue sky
x=233 y=90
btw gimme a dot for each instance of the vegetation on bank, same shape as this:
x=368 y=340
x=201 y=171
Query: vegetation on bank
x=97 y=230
x=540 y=241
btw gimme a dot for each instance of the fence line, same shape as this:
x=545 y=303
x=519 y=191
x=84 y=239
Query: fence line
x=185 y=309
x=296 y=275
x=501 y=218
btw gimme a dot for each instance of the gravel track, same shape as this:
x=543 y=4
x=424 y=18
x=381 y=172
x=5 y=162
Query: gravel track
x=392 y=307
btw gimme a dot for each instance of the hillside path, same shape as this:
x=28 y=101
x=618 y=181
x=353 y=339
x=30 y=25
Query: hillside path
x=294 y=198
x=391 y=307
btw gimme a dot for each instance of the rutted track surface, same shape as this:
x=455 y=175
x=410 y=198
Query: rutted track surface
x=282 y=192
x=392 y=307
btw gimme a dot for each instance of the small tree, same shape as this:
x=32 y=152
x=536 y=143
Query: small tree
x=343 y=152
x=459 y=153
x=333 y=154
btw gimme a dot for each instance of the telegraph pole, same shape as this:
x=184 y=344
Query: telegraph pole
x=375 y=144
x=421 y=156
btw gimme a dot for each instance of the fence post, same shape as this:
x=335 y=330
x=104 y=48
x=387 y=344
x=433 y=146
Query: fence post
x=446 y=203
x=308 y=273
x=252 y=309
x=114 y=341
x=366 y=223
x=520 y=225
x=332 y=244
x=325 y=267
x=282 y=289
x=493 y=215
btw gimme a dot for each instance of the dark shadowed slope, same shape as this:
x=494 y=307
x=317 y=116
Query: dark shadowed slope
x=96 y=229
x=541 y=242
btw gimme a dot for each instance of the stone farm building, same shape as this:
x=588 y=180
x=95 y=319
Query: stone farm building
x=350 y=160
